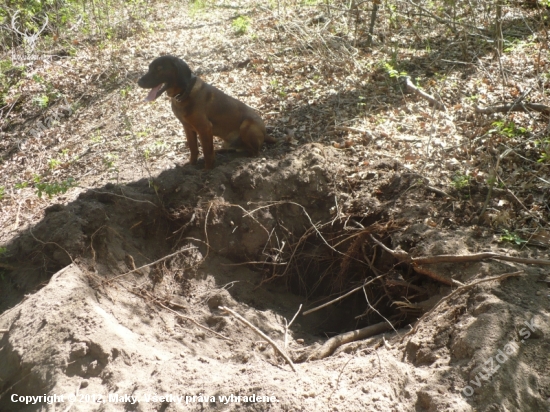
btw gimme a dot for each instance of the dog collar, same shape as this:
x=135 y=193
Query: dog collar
x=180 y=97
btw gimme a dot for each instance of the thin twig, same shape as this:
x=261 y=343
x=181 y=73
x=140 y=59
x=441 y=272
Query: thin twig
x=492 y=181
x=117 y=195
x=339 y=376
x=514 y=107
x=260 y=262
x=192 y=321
x=259 y=332
x=151 y=264
x=438 y=191
x=379 y=314
x=307 y=312
x=51 y=243
x=206 y=232
x=10 y=388
x=289 y=324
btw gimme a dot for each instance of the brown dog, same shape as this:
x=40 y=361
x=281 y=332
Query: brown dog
x=204 y=110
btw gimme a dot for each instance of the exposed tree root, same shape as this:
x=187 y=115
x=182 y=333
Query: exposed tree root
x=335 y=342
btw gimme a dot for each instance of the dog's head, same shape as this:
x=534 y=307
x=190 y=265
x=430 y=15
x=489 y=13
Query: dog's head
x=165 y=73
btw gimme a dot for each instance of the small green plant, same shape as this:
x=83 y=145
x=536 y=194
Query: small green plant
x=5 y=65
x=508 y=129
x=41 y=101
x=143 y=133
x=511 y=237
x=196 y=7
x=241 y=25
x=109 y=160
x=54 y=188
x=53 y=163
x=21 y=185
x=393 y=15
x=37 y=78
x=460 y=181
x=124 y=92
x=155 y=149
x=3 y=250
x=96 y=138
x=2 y=191
x=278 y=88
x=544 y=150
x=392 y=72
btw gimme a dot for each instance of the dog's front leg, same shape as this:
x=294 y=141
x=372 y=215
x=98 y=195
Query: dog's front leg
x=192 y=143
x=207 y=142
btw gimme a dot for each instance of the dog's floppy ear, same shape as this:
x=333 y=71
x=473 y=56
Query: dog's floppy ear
x=184 y=74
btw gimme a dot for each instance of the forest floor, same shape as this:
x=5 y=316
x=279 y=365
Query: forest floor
x=117 y=256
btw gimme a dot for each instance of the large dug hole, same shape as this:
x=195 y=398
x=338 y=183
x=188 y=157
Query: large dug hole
x=296 y=223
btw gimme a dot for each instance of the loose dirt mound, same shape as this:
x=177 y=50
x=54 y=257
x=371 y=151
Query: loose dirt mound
x=100 y=327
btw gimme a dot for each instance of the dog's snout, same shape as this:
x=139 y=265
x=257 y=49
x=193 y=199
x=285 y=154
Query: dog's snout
x=141 y=81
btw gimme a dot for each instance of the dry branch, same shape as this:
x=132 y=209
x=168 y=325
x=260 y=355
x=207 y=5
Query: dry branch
x=259 y=332
x=427 y=260
x=438 y=191
x=288 y=325
x=515 y=107
x=4 y=330
x=335 y=342
x=411 y=87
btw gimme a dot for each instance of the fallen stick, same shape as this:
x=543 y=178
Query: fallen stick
x=259 y=332
x=4 y=330
x=335 y=342
x=288 y=325
x=515 y=107
x=411 y=87
x=426 y=260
